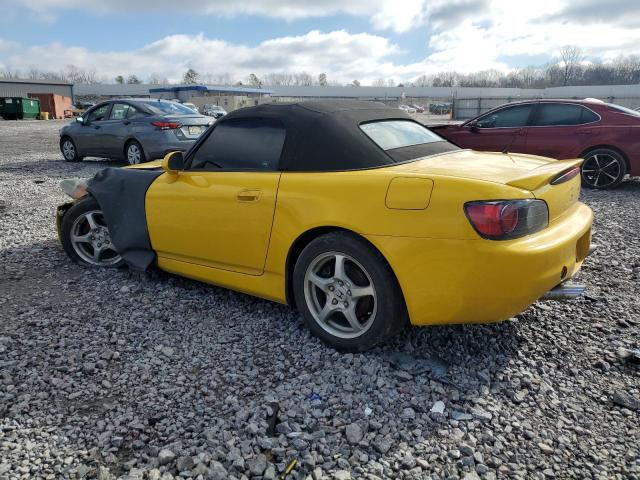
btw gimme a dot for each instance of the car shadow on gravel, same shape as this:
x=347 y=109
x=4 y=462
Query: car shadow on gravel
x=56 y=167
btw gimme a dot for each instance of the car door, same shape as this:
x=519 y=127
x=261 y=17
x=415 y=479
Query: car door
x=85 y=134
x=95 y=140
x=115 y=130
x=500 y=130
x=218 y=212
x=561 y=130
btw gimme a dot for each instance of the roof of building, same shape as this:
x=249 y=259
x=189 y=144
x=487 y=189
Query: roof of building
x=29 y=80
x=209 y=88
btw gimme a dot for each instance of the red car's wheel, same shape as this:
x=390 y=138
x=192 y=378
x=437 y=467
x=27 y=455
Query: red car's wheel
x=603 y=168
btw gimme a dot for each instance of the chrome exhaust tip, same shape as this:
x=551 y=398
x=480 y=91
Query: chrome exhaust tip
x=592 y=248
x=564 y=291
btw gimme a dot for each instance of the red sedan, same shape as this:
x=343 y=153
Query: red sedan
x=607 y=136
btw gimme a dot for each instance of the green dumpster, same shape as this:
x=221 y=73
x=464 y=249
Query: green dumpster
x=17 y=108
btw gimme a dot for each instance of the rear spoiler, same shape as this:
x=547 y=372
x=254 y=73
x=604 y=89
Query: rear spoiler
x=545 y=174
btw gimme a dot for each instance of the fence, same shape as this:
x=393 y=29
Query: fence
x=466 y=108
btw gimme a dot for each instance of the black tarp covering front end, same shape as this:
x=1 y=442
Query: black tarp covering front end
x=121 y=195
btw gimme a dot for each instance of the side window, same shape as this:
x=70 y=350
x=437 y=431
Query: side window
x=243 y=144
x=99 y=113
x=515 y=116
x=588 y=116
x=555 y=114
x=133 y=112
x=119 y=111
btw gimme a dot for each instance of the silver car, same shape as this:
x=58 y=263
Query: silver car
x=134 y=130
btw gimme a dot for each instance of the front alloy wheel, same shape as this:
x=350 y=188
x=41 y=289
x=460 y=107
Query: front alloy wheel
x=69 y=151
x=86 y=238
x=603 y=168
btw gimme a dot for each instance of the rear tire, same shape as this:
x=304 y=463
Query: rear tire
x=69 y=150
x=603 y=168
x=85 y=236
x=133 y=153
x=347 y=293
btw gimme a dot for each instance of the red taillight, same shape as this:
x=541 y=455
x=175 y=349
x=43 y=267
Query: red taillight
x=506 y=219
x=166 y=125
x=566 y=176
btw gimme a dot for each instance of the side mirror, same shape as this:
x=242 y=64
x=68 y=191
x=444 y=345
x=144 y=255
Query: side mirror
x=173 y=162
x=473 y=126
x=80 y=120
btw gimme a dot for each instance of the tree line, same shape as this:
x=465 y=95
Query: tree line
x=567 y=69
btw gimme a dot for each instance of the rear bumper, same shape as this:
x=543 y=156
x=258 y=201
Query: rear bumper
x=481 y=281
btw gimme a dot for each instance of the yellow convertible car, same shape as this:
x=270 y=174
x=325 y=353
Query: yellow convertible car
x=352 y=212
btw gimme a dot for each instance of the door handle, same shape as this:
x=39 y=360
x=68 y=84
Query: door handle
x=584 y=132
x=249 y=195
x=96 y=127
x=126 y=122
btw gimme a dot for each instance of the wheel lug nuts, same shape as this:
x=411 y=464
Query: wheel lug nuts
x=334 y=301
x=346 y=304
x=340 y=283
x=331 y=288
x=349 y=292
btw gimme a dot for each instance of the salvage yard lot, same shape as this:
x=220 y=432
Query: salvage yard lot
x=119 y=373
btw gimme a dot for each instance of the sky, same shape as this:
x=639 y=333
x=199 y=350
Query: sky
x=348 y=40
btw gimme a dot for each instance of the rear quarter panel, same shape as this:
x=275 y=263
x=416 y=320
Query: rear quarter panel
x=356 y=201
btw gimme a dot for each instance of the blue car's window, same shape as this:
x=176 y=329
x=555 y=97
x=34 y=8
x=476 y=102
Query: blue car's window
x=242 y=144
x=98 y=114
x=168 y=108
x=119 y=111
x=390 y=134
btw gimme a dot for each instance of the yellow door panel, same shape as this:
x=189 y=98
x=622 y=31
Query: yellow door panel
x=215 y=219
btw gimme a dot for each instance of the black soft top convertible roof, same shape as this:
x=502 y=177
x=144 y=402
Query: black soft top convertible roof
x=325 y=135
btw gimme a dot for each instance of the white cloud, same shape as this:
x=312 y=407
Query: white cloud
x=463 y=35
x=343 y=56
x=385 y=14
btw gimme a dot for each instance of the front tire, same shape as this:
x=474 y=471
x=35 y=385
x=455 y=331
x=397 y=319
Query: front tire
x=603 y=168
x=85 y=236
x=347 y=293
x=133 y=153
x=69 y=150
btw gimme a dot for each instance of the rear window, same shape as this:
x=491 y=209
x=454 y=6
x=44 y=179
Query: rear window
x=622 y=109
x=390 y=134
x=168 y=108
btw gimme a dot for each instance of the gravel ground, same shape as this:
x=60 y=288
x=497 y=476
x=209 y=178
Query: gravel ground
x=107 y=374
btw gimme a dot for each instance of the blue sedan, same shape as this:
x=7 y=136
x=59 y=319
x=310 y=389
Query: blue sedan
x=134 y=130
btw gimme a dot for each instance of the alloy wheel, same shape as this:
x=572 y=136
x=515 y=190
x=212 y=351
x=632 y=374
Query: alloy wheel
x=68 y=150
x=601 y=170
x=340 y=295
x=134 y=155
x=91 y=240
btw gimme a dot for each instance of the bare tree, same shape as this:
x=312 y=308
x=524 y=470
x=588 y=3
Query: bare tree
x=379 y=82
x=191 y=77
x=571 y=57
x=322 y=79
x=254 y=81
x=134 y=80
x=303 y=79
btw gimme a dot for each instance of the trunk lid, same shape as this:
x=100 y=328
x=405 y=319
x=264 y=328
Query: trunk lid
x=526 y=172
x=192 y=125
